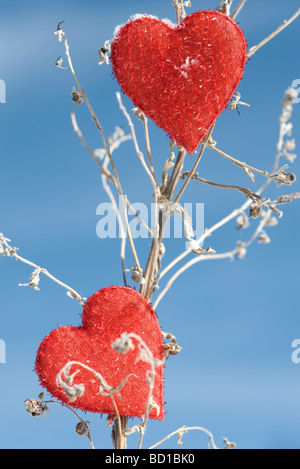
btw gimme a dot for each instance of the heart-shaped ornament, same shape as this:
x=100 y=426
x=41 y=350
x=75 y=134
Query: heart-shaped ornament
x=181 y=77
x=107 y=315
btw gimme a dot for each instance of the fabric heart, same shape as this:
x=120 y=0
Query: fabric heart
x=181 y=77
x=106 y=316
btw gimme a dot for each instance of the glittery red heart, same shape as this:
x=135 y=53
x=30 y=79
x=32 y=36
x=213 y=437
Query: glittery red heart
x=181 y=77
x=106 y=316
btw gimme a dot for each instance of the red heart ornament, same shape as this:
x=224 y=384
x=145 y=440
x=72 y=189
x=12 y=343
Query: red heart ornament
x=106 y=316
x=181 y=77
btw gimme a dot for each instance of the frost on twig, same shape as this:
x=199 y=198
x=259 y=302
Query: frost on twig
x=183 y=430
x=170 y=208
x=242 y=221
x=180 y=6
x=224 y=7
x=137 y=276
x=7 y=250
x=170 y=348
x=236 y=101
x=103 y=53
x=34 y=279
x=229 y=444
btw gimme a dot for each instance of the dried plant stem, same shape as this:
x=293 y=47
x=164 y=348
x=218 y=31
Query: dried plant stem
x=247 y=192
x=88 y=149
x=118 y=433
x=147 y=140
x=175 y=175
x=105 y=172
x=238 y=9
x=137 y=149
x=106 y=175
x=249 y=169
x=120 y=222
x=224 y=7
x=147 y=356
x=189 y=264
x=65 y=379
x=75 y=413
x=283 y=131
x=207 y=233
x=226 y=255
x=108 y=152
x=152 y=262
x=195 y=164
x=286 y=23
x=180 y=431
x=12 y=252
x=150 y=172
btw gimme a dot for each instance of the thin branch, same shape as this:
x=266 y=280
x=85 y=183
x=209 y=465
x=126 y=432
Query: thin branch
x=61 y=36
x=147 y=140
x=151 y=174
x=119 y=218
x=246 y=192
x=34 y=279
x=240 y=248
x=169 y=191
x=137 y=149
x=280 y=177
x=195 y=164
x=88 y=149
x=224 y=7
x=286 y=23
x=189 y=264
x=180 y=431
x=238 y=9
x=180 y=5
x=36 y=408
x=88 y=433
x=103 y=166
x=284 y=131
x=117 y=436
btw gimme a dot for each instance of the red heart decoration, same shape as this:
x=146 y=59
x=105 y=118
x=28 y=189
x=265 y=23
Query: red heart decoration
x=181 y=77
x=106 y=316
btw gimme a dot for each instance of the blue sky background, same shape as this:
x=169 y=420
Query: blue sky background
x=235 y=320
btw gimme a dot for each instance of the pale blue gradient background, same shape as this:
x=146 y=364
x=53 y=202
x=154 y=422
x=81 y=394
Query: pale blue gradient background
x=236 y=321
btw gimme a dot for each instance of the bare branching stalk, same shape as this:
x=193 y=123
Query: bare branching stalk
x=62 y=37
x=285 y=129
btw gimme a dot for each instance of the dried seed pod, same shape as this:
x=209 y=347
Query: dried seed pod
x=82 y=428
x=76 y=97
x=255 y=210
